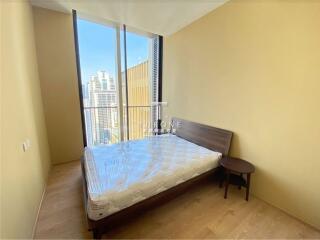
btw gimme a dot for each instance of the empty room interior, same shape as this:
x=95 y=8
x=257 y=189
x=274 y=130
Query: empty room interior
x=156 y=119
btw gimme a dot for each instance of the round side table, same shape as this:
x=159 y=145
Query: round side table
x=235 y=168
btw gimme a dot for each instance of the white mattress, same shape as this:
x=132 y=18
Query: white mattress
x=125 y=173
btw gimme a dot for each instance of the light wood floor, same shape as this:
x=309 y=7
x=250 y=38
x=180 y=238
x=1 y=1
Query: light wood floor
x=202 y=212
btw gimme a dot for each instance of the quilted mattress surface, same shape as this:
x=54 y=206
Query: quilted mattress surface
x=122 y=174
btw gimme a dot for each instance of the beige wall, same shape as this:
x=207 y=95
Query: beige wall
x=253 y=67
x=23 y=174
x=58 y=75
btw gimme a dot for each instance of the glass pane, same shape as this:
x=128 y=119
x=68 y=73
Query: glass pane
x=97 y=49
x=139 y=85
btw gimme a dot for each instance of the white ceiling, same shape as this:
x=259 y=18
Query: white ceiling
x=163 y=17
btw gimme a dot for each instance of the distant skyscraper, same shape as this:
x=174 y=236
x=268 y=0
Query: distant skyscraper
x=104 y=112
x=84 y=91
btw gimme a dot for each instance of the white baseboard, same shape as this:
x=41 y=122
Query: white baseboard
x=38 y=212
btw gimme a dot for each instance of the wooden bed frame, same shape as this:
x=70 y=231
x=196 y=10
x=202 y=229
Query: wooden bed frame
x=209 y=137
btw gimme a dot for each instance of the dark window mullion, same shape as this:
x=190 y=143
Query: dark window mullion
x=76 y=44
x=126 y=76
x=160 y=78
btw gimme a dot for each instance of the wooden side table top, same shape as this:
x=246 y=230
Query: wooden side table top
x=237 y=165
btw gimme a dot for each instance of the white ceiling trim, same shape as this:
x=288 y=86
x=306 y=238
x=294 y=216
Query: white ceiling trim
x=162 y=17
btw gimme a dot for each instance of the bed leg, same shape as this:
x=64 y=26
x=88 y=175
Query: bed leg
x=96 y=234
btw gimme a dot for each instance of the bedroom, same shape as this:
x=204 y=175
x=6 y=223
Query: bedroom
x=249 y=68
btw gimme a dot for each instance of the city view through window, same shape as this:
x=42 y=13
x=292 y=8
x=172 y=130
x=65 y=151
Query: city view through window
x=105 y=119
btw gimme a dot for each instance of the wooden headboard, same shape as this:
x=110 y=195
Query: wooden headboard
x=215 y=139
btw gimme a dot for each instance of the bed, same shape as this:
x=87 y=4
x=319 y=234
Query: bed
x=124 y=179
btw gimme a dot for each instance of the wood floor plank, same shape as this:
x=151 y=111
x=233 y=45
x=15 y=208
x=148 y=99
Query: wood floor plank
x=201 y=212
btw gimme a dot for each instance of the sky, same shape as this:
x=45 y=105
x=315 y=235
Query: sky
x=97 y=48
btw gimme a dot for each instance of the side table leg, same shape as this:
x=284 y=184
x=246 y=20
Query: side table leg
x=221 y=180
x=239 y=186
x=227 y=184
x=248 y=186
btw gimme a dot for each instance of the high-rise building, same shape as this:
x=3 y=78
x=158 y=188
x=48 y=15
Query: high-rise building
x=102 y=100
x=102 y=110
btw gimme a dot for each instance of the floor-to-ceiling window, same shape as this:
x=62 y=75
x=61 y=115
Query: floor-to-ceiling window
x=140 y=85
x=119 y=81
x=97 y=50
